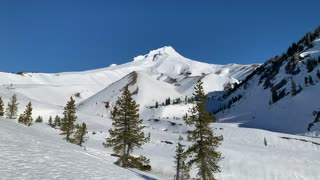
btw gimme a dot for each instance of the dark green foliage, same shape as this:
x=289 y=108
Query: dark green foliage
x=177 y=101
x=50 y=122
x=311 y=64
x=67 y=123
x=1 y=107
x=12 y=108
x=293 y=87
x=57 y=121
x=203 y=152
x=80 y=134
x=310 y=80
x=39 y=119
x=306 y=81
x=182 y=170
x=318 y=74
x=127 y=134
x=274 y=93
x=168 y=101
x=157 y=105
x=26 y=117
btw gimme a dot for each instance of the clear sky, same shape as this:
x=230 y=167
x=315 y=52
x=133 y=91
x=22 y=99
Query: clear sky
x=73 y=35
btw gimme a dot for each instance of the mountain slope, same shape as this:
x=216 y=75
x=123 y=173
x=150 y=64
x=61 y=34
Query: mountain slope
x=268 y=101
x=37 y=152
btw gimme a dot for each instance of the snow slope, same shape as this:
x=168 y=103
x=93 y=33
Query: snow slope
x=38 y=152
x=292 y=113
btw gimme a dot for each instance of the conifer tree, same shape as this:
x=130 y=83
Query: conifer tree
x=26 y=117
x=310 y=80
x=275 y=96
x=182 y=170
x=126 y=134
x=203 y=151
x=80 y=134
x=50 y=122
x=67 y=123
x=39 y=119
x=12 y=108
x=1 y=107
x=57 y=121
x=293 y=87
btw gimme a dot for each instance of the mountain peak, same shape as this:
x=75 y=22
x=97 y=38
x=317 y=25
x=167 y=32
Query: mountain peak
x=161 y=52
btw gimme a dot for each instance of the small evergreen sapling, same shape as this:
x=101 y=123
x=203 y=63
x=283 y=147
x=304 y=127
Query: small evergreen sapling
x=50 y=122
x=80 y=134
x=26 y=117
x=39 y=119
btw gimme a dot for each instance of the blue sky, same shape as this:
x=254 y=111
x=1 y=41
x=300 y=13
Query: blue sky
x=73 y=35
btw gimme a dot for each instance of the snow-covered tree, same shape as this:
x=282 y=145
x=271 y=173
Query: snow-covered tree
x=203 y=151
x=12 y=108
x=67 y=123
x=126 y=133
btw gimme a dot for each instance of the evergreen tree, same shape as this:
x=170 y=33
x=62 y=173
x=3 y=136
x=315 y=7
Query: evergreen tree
x=50 y=122
x=1 y=107
x=310 y=80
x=126 y=133
x=293 y=87
x=80 y=134
x=275 y=96
x=306 y=81
x=26 y=117
x=57 y=121
x=157 y=105
x=39 y=119
x=67 y=123
x=182 y=170
x=12 y=108
x=203 y=151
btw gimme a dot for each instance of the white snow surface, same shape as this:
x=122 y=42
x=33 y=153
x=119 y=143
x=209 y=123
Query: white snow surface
x=39 y=152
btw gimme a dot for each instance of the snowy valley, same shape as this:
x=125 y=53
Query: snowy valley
x=265 y=138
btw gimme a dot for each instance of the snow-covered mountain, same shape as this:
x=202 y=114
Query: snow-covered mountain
x=293 y=77
x=152 y=79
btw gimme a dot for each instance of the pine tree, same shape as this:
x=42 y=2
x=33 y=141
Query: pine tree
x=310 y=80
x=67 y=123
x=293 y=87
x=26 y=117
x=157 y=104
x=57 y=121
x=12 y=108
x=306 y=81
x=275 y=96
x=203 y=151
x=50 y=122
x=1 y=107
x=39 y=119
x=126 y=134
x=80 y=134
x=182 y=170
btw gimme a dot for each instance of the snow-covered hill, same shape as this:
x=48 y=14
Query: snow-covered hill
x=154 y=77
x=289 y=111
